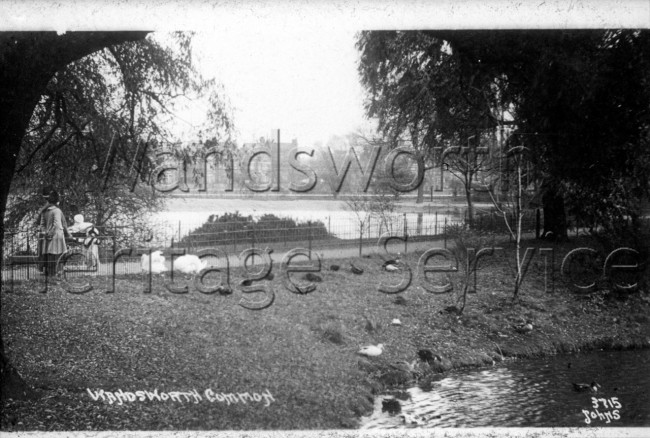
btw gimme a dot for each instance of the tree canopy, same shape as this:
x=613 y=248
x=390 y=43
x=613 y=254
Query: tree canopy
x=579 y=100
x=51 y=112
x=95 y=121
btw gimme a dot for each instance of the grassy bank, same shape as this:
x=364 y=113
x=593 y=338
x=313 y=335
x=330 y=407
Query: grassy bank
x=301 y=350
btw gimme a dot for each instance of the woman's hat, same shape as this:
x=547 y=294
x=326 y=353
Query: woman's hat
x=52 y=196
x=78 y=219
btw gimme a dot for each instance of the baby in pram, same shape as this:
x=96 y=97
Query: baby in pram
x=85 y=235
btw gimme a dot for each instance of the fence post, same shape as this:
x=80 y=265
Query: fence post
x=150 y=273
x=406 y=234
x=445 y=232
x=309 y=231
x=537 y=223
x=179 y=230
x=360 y=237
x=436 y=226
x=171 y=259
x=29 y=266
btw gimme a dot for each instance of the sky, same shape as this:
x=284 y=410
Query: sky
x=292 y=64
x=303 y=82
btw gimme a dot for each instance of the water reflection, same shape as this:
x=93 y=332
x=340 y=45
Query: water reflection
x=529 y=393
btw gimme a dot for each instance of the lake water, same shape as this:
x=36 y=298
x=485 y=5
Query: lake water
x=533 y=393
x=184 y=215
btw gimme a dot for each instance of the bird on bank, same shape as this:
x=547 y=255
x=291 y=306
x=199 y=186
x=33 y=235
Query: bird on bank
x=371 y=350
x=428 y=356
x=189 y=264
x=524 y=328
x=392 y=265
x=584 y=387
x=313 y=277
x=355 y=270
x=157 y=262
x=334 y=267
x=391 y=268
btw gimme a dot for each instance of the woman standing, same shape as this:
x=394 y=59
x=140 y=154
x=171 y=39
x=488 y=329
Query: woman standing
x=56 y=230
x=40 y=249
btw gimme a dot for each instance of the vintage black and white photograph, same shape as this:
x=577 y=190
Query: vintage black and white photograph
x=417 y=218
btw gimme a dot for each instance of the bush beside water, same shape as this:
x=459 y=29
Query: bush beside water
x=234 y=228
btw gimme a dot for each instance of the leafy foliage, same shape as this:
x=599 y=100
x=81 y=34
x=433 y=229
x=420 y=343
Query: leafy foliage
x=96 y=125
x=579 y=99
x=416 y=88
x=231 y=228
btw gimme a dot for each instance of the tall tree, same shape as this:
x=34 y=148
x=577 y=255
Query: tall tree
x=27 y=63
x=581 y=98
x=84 y=101
x=417 y=90
x=101 y=117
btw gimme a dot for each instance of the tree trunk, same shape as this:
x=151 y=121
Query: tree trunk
x=470 y=206
x=420 y=197
x=555 y=226
x=28 y=60
x=13 y=122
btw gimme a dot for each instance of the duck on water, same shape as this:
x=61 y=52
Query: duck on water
x=583 y=387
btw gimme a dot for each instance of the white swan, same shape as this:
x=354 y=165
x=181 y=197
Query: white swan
x=391 y=267
x=157 y=262
x=372 y=350
x=189 y=264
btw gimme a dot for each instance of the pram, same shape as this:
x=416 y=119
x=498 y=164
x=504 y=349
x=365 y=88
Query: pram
x=85 y=238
